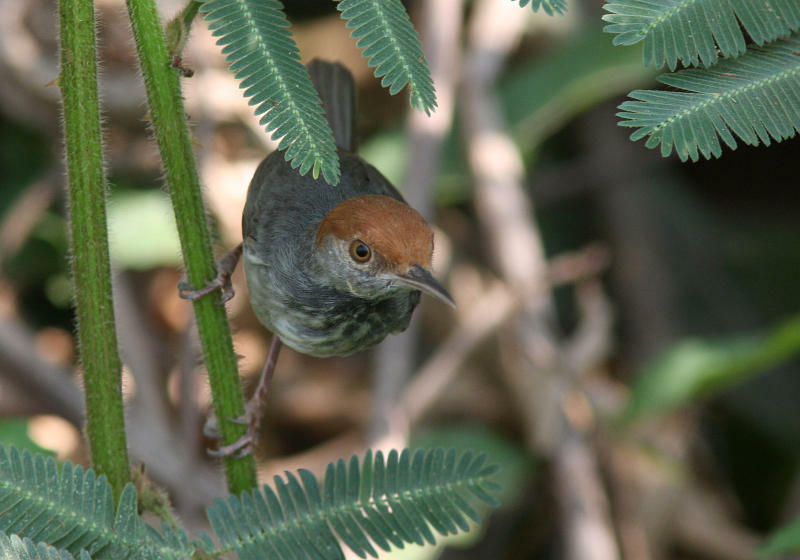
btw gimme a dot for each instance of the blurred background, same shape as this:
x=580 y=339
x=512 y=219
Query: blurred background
x=626 y=337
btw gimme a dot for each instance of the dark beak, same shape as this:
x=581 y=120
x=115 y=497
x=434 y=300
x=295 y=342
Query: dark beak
x=420 y=279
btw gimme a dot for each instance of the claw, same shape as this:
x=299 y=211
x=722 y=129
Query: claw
x=252 y=415
x=185 y=291
x=242 y=446
x=221 y=282
x=211 y=427
x=227 y=291
x=238 y=449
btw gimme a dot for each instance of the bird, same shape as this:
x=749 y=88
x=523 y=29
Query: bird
x=330 y=270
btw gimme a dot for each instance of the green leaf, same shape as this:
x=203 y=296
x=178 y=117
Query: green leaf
x=52 y=504
x=756 y=97
x=71 y=509
x=540 y=95
x=785 y=540
x=389 y=505
x=14 y=431
x=695 y=368
x=262 y=54
x=391 y=45
x=692 y=30
x=14 y=548
x=550 y=7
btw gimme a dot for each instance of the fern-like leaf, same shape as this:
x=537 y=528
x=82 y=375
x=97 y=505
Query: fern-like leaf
x=691 y=30
x=756 y=97
x=262 y=54
x=375 y=503
x=550 y=7
x=73 y=510
x=391 y=45
x=15 y=548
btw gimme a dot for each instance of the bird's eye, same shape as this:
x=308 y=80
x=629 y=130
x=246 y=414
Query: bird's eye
x=360 y=251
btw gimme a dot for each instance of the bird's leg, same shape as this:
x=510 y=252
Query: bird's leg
x=225 y=267
x=253 y=410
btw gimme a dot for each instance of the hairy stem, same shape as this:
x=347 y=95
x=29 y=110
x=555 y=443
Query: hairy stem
x=105 y=422
x=175 y=144
x=178 y=28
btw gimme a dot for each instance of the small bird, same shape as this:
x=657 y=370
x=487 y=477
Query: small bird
x=331 y=270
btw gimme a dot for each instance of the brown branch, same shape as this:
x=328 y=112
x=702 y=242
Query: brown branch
x=153 y=441
x=435 y=375
x=583 y=502
x=26 y=210
x=493 y=309
x=542 y=376
x=20 y=363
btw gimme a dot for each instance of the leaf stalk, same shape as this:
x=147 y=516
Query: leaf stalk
x=91 y=270
x=175 y=145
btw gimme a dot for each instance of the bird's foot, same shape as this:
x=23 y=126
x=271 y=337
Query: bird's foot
x=242 y=446
x=253 y=411
x=222 y=281
x=186 y=292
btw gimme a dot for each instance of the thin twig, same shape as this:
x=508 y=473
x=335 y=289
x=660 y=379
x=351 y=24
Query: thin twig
x=505 y=211
x=542 y=375
x=21 y=364
x=660 y=503
x=581 y=494
x=486 y=315
x=592 y=341
x=26 y=211
x=138 y=349
x=702 y=524
x=150 y=442
x=432 y=379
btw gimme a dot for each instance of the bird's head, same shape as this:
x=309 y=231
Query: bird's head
x=373 y=246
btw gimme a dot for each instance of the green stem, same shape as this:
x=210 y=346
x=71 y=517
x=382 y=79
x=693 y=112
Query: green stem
x=175 y=144
x=105 y=422
x=177 y=30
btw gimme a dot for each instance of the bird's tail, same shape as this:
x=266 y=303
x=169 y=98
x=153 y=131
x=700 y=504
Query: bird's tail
x=337 y=90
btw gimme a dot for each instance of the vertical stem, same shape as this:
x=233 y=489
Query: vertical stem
x=90 y=261
x=175 y=144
